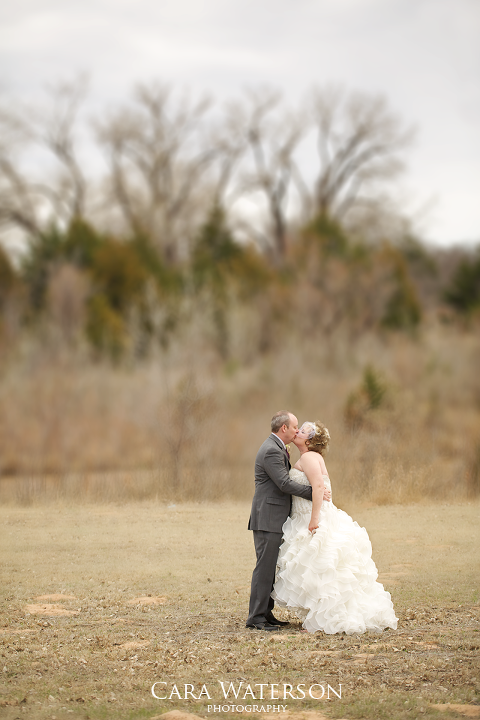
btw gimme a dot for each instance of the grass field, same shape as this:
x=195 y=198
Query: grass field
x=101 y=601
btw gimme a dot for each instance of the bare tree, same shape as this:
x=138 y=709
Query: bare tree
x=272 y=142
x=58 y=133
x=25 y=201
x=168 y=164
x=157 y=156
x=359 y=143
x=19 y=201
x=228 y=138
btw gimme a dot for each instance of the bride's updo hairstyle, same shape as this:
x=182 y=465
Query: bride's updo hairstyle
x=319 y=436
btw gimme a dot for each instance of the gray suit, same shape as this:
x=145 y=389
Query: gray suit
x=270 y=508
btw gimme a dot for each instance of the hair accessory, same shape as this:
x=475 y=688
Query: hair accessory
x=310 y=428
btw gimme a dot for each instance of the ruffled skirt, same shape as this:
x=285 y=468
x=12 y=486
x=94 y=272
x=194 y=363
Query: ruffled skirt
x=329 y=578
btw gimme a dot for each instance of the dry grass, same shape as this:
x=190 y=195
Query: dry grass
x=185 y=426
x=102 y=601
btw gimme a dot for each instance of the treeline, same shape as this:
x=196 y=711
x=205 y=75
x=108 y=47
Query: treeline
x=122 y=261
x=118 y=296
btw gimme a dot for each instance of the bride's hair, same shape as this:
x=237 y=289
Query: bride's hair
x=320 y=439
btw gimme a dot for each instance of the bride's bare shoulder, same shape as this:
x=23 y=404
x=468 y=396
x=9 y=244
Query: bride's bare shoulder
x=312 y=462
x=312 y=459
x=308 y=460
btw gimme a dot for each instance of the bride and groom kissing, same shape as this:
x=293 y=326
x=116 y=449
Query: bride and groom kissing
x=312 y=558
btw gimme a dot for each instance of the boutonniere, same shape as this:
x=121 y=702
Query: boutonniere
x=287 y=448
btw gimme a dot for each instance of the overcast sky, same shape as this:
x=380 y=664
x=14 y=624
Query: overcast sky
x=423 y=55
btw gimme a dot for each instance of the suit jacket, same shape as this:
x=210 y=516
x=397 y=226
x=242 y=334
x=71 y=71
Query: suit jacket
x=273 y=487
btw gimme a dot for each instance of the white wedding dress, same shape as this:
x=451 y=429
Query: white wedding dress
x=328 y=578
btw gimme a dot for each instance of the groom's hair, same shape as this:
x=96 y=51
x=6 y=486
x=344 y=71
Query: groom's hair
x=282 y=417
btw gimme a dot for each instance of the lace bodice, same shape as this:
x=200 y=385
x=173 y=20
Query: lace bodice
x=299 y=504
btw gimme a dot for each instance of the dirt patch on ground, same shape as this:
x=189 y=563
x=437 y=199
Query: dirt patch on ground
x=134 y=645
x=470 y=711
x=390 y=578
x=299 y=716
x=176 y=715
x=148 y=600
x=440 y=547
x=397 y=571
x=49 y=610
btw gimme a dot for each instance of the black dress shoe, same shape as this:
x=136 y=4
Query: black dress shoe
x=273 y=621
x=263 y=626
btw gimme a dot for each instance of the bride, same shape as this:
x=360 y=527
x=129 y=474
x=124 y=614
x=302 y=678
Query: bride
x=325 y=572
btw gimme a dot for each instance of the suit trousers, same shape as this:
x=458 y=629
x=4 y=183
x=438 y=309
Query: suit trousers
x=267 y=545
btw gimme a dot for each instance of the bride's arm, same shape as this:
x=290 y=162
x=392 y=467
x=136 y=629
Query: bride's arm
x=313 y=471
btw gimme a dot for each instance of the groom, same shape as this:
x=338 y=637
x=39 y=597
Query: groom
x=270 y=508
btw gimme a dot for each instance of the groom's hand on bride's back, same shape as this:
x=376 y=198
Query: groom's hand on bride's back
x=327 y=494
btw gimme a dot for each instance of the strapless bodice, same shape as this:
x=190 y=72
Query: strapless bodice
x=300 y=504
x=300 y=477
